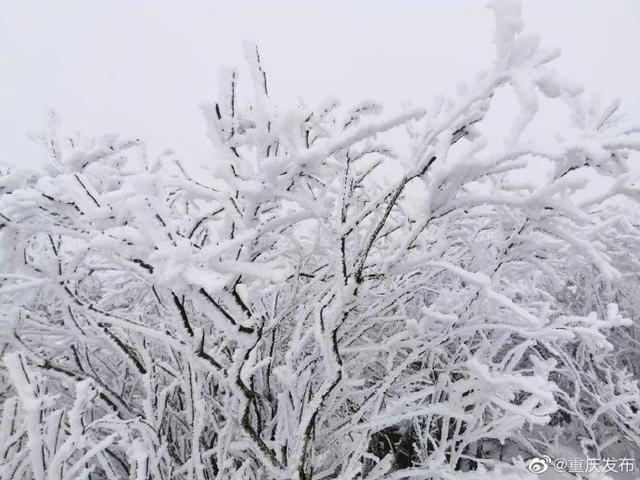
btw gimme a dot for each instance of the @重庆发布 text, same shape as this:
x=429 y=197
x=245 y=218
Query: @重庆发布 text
x=582 y=465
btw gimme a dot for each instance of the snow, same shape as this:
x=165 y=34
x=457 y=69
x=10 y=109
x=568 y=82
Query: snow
x=286 y=312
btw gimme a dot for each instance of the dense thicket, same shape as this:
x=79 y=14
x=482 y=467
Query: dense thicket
x=316 y=303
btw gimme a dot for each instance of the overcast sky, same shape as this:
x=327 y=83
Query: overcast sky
x=141 y=68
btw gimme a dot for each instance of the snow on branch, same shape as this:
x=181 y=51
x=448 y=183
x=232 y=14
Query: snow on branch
x=291 y=311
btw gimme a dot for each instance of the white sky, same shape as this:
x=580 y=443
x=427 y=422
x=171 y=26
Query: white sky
x=141 y=68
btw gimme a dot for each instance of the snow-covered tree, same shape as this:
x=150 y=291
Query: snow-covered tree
x=323 y=299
